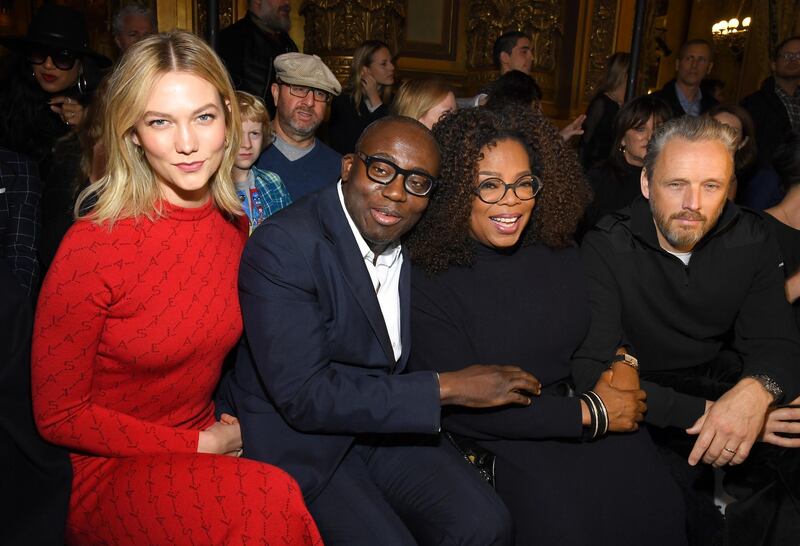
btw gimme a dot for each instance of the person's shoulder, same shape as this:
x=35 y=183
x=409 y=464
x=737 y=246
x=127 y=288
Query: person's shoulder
x=751 y=227
x=612 y=231
x=326 y=152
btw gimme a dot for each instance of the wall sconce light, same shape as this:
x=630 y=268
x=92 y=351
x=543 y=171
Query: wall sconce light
x=731 y=35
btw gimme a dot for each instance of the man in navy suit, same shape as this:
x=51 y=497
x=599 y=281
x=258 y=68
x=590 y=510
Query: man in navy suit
x=324 y=288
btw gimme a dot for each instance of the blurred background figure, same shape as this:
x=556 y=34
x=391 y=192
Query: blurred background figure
x=595 y=144
x=131 y=23
x=49 y=81
x=424 y=99
x=785 y=216
x=365 y=97
x=516 y=87
x=249 y=47
x=712 y=87
x=755 y=186
x=616 y=181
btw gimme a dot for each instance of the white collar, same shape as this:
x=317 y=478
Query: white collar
x=387 y=258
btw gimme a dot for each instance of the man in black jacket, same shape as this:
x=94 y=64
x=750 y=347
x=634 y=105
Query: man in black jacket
x=695 y=61
x=775 y=108
x=249 y=46
x=693 y=286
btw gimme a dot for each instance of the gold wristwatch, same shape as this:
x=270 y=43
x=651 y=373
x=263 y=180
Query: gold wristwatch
x=630 y=360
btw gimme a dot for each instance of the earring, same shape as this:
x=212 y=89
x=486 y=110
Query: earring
x=83 y=85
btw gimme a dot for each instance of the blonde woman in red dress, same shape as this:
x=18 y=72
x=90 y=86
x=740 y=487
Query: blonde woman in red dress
x=137 y=313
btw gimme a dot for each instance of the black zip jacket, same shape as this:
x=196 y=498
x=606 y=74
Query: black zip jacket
x=730 y=296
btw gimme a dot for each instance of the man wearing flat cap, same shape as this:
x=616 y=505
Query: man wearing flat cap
x=303 y=90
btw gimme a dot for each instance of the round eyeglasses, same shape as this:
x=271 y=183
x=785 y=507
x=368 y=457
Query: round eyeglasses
x=61 y=58
x=493 y=190
x=383 y=171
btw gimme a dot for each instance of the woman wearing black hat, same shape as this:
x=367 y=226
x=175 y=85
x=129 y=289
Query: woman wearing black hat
x=47 y=84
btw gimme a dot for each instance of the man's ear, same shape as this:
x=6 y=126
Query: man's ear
x=644 y=183
x=505 y=58
x=710 y=67
x=275 y=88
x=347 y=166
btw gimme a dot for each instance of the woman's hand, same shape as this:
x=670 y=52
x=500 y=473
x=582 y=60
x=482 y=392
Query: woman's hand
x=625 y=408
x=784 y=420
x=370 y=85
x=221 y=438
x=70 y=110
x=573 y=129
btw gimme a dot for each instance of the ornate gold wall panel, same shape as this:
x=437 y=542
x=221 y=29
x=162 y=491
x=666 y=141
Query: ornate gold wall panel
x=226 y=8
x=334 y=28
x=488 y=19
x=601 y=43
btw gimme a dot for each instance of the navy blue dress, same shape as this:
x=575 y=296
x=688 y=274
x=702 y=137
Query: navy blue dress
x=529 y=307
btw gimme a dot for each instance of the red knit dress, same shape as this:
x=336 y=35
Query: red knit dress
x=131 y=330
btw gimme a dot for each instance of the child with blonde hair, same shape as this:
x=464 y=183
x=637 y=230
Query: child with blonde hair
x=262 y=193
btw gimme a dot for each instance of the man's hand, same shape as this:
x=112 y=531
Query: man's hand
x=481 y=386
x=731 y=425
x=784 y=420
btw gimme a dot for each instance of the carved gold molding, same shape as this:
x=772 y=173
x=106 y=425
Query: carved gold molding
x=601 y=40
x=337 y=27
x=201 y=15
x=488 y=19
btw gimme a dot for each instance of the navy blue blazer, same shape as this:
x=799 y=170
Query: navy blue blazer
x=316 y=367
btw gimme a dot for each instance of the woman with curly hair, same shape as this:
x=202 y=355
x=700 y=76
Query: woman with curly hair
x=497 y=279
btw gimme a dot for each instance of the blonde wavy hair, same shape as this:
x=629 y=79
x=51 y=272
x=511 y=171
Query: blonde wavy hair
x=362 y=57
x=129 y=187
x=415 y=97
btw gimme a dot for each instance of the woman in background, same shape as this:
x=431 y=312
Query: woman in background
x=616 y=182
x=48 y=84
x=138 y=311
x=365 y=98
x=598 y=135
x=754 y=186
x=424 y=99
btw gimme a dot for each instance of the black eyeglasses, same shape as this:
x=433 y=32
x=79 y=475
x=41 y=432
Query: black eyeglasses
x=301 y=91
x=493 y=190
x=383 y=171
x=62 y=58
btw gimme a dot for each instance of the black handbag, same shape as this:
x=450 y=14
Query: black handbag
x=478 y=456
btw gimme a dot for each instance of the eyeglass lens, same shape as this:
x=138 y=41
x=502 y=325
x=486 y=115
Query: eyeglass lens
x=62 y=59
x=493 y=190
x=384 y=172
x=301 y=91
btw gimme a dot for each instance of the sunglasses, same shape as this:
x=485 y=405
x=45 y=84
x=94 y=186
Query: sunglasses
x=61 y=58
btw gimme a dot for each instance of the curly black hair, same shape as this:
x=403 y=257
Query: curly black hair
x=442 y=239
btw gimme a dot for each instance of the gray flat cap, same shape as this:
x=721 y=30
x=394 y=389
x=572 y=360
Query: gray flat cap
x=308 y=70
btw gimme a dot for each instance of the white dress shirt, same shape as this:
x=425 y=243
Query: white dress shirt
x=385 y=275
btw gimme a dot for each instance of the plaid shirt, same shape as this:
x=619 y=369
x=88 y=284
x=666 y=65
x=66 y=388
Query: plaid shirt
x=273 y=195
x=20 y=224
x=791 y=103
